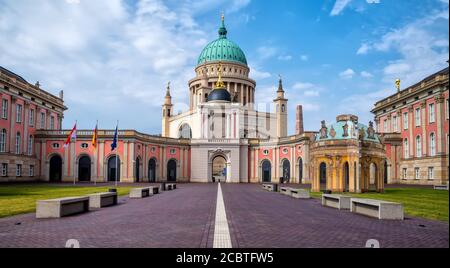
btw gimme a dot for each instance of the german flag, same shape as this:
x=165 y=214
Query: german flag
x=95 y=137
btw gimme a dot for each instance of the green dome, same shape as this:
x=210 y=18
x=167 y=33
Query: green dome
x=222 y=49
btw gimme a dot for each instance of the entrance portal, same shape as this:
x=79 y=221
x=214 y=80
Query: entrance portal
x=112 y=170
x=152 y=170
x=219 y=169
x=172 y=170
x=266 y=171
x=55 y=168
x=84 y=168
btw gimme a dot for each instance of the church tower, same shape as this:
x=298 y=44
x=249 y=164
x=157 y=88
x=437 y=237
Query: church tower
x=166 y=112
x=281 y=111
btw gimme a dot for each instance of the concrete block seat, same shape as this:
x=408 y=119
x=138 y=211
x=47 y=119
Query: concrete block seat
x=377 y=208
x=140 y=192
x=99 y=200
x=270 y=187
x=299 y=193
x=441 y=187
x=171 y=186
x=285 y=190
x=154 y=189
x=60 y=207
x=336 y=201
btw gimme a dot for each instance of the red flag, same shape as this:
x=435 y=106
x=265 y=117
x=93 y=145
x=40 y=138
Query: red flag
x=72 y=135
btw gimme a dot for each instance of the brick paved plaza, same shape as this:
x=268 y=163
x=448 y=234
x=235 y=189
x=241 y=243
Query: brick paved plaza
x=185 y=218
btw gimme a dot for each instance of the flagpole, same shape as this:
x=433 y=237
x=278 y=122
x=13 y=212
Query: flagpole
x=117 y=150
x=96 y=152
x=74 y=153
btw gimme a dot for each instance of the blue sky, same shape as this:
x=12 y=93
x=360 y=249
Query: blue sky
x=113 y=58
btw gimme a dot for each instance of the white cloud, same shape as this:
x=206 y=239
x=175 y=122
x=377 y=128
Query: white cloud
x=285 y=57
x=112 y=61
x=373 y=1
x=265 y=52
x=304 y=57
x=366 y=74
x=301 y=86
x=257 y=74
x=363 y=49
x=422 y=49
x=347 y=74
x=311 y=93
x=73 y=1
x=339 y=6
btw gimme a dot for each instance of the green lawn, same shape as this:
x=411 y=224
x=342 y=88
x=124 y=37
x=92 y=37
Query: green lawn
x=21 y=198
x=417 y=202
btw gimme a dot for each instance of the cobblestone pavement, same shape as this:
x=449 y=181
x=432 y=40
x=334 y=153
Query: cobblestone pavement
x=180 y=218
x=185 y=218
x=259 y=218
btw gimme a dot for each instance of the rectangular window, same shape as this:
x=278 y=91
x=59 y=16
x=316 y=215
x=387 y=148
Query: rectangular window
x=405 y=121
x=405 y=149
x=4 y=109
x=385 y=125
x=4 y=169
x=417 y=117
x=431 y=116
x=52 y=122
x=404 y=173
x=18 y=113
x=430 y=173
x=42 y=120
x=19 y=170
x=31 y=174
x=31 y=118
x=394 y=123
x=416 y=173
x=18 y=140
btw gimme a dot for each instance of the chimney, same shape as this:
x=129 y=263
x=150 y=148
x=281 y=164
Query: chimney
x=299 y=120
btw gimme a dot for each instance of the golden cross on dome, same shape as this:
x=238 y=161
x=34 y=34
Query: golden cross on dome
x=222 y=17
x=397 y=84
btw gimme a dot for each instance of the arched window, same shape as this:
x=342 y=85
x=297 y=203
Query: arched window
x=432 y=144
x=185 y=132
x=405 y=148
x=3 y=141
x=418 y=146
x=18 y=139
x=30 y=145
x=282 y=108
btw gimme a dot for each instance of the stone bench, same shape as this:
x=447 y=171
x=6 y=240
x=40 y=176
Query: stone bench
x=336 y=201
x=154 y=189
x=60 y=207
x=299 y=193
x=270 y=187
x=441 y=187
x=285 y=190
x=171 y=186
x=100 y=200
x=377 y=208
x=140 y=192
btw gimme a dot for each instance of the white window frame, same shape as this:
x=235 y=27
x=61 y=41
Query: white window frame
x=416 y=173
x=418 y=146
x=18 y=142
x=432 y=144
x=417 y=119
x=431 y=113
x=31 y=117
x=4 y=109
x=385 y=125
x=18 y=113
x=447 y=109
x=404 y=172
x=3 y=138
x=431 y=173
x=52 y=122
x=405 y=148
x=395 y=123
x=405 y=120
x=42 y=120
x=4 y=169
x=30 y=145
x=18 y=170
x=31 y=171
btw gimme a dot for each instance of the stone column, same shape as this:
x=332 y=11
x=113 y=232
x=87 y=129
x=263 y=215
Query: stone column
x=124 y=167
x=25 y=129
x=424 y=123
x=440 y=119
x=12 y=134
x=101 y=156
x=132 y=163
x=410 y=128
x=43 y=160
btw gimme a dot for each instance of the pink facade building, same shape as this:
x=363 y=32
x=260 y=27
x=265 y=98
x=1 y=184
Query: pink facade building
x=414 y=124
